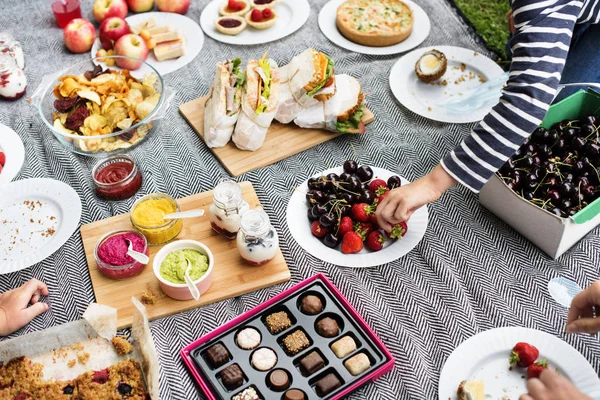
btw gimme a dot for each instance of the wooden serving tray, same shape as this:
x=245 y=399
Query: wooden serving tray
x=282 y=141
x=232 y=277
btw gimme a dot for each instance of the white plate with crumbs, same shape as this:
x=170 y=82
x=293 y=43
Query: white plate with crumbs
x=484 y=357
x=37 y=216
x=291 y=16
x=466 y=70
x=12 y=147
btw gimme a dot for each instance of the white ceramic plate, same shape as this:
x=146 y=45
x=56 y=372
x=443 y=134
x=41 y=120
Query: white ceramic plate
x=328 y=26
x=422 y=98
x=291 y=16
x=485 y=357
x=12 y=146
x=299 y=226
x=37 y=216
x=194 y=40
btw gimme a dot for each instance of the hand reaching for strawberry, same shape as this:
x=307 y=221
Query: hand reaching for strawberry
x=402 y=202
x=552 y=386
x=581 y=314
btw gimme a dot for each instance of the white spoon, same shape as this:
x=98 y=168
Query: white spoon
x=139 y=257
x=563 y=290
x=188 y=280
x=184 y=214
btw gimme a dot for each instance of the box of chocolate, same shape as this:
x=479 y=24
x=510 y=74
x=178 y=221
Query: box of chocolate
x=306 y=343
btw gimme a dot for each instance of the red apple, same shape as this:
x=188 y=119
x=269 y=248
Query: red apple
x=174 y=6
x=79 y=35
x=131 y=45
x=111 y=30
x=103 y=9
x=138 y=6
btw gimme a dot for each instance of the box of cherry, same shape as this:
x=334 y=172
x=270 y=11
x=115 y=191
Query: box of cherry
x=342 y=209
x=306 y=343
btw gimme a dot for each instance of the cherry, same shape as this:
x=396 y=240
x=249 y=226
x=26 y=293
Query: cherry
x=354 y=184
x=579 y=167
x=333 y=177
x=531 y=149
x=365 y=186
x=566 y=205
x=552 y=137
x=528 y=196
x=578 y=144
x=591 y=119
x=311 y=217
x=315 y=196
x=593 y=151
x=570 y=133
x=314 y=183
x=560 y=147
x=326 y=185
x=552 y=182
x=512 y=186
x=395 y=181
x=553 y=196
x=327 y=220
x=350 y=166
x=331 y=240
x=331 y=197
x=344 y=209
x=318 y=210
x=364 y=173
x=588 y=192
x=569 y=177
x=517 y=182
x=572 y=212
x=544 y=151
x=538 y=134
x=567 y=189
x=558 y=212
x=587 y=130
x=366 y=196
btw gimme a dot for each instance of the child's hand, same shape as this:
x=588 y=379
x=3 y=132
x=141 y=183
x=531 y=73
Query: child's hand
x=14 y=310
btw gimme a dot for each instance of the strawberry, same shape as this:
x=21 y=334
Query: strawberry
x=373 y=221
x=2 y=159
x=363 y=229
x=375 y=241
x=351 y=243
x=535 y=369
x=256 y=15
x=267 y=13
x=398 y=231
x=378 y=186
x=360 y=212
x=523 y=355
x=346 y=226
x=318 y=230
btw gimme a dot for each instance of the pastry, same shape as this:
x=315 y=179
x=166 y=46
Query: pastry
x=261 y=19
x=278 y=322
x=311 y=305
x=247 y=394
x=343 y=347
x=232 y=377
x=294 y=394
x=296 y=342
x=470 y=390
x=358 y=364
x=312 y=363
x=230 y=25
x=262 y=4
x=170 y=50
x=121 y=345
x=279 y=380
x=327 y=384
x=431 y=66
x=376 y=23
x=328 y=327
x=234 y=7
x=248 y=339
x=264 y=359
x=217 y=355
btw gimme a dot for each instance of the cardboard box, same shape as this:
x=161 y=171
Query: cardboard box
x=550 y=233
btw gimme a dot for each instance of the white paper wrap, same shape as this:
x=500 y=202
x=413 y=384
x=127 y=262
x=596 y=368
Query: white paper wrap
x=218 y=128
x=288 y=106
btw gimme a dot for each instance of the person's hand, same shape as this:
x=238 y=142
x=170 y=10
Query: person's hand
x=402 y=202
x=552 y=386
x=511 y=22
x=15 y=311
x=581 y=314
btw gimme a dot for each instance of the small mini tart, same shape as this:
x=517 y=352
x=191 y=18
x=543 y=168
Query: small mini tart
x=264 y=24
x=225 y=11
x=229 y=29
x=262 y=4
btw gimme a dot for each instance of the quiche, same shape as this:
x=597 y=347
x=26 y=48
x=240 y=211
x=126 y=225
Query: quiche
x=375 y=23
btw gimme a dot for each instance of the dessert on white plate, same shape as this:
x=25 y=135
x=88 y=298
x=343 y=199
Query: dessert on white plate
x=471 y=390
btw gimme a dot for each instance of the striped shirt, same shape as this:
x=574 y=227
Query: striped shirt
x=544 y=29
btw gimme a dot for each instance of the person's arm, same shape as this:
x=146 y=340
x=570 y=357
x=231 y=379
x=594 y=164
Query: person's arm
x=540 y=47
x=15 y=308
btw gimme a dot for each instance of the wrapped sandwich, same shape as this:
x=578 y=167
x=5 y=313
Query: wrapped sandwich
x=222 y=108
x=259 y=103
x=347 y=105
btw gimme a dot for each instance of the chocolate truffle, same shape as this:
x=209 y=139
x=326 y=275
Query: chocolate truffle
x=248 y=338
x=343 y=347
x=311 y=363
x=327 y=384
x=296 y=342
x=294 y=394
x=217 y=355
x=358 y=364
x=279 y=380
x=328 y=327
x=232 y=377
x=278 y=322
x=311 y=305
x=264 y=359
x=247 y=394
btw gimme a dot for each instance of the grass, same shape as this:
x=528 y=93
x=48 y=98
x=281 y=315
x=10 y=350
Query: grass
x=489 y=19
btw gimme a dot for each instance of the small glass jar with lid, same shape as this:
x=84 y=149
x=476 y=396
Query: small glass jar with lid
x=257 y=240
x=227 y=208
x=13 y=82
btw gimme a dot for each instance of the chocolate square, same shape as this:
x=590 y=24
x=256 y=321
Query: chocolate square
x=311 y=363
x=217 y=355
x=232 y=377
x=327 y=384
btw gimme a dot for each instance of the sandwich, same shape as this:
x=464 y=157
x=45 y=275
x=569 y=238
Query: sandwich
x=259 y=103
x=347 y=105
x=222 y=108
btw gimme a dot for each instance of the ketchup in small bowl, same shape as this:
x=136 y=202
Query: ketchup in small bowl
x=117 y=178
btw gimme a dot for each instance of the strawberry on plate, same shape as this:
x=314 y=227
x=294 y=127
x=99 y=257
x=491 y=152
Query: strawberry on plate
x=363 y=229
x=398 y=231
x=378 y=186
x=382 y=196
x=346 y=225
x=375 y=241
x=351 y=243
x=318 y=230
x=535 y=369
x=2 y=159
x=523 y=355
x=360 y=212
x=373 y=221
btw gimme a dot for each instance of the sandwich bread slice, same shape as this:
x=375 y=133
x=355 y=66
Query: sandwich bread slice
x=347 y=105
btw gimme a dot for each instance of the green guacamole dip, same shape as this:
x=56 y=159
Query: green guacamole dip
x=174 y=265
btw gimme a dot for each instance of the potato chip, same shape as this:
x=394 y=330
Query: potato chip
x=90 y=95
x=125 y=124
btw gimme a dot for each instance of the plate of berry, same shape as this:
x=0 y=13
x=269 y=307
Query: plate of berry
x=332 y=216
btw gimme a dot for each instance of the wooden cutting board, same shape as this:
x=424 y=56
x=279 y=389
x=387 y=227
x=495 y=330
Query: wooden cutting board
x=282 y=141
x=231 y=276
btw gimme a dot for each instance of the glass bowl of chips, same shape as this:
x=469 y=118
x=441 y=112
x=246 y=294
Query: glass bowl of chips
x=96 y=110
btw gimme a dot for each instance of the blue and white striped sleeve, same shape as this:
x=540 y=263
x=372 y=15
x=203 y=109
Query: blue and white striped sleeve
x=540 y=47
